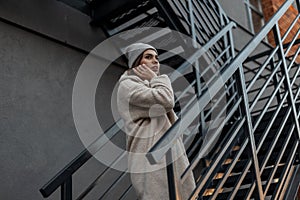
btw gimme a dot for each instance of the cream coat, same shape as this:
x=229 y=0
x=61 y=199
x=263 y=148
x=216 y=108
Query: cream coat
x=147 y=110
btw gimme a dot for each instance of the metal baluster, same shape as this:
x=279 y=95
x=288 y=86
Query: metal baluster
x=174 y=193
x=66 y=189
x=196 y=68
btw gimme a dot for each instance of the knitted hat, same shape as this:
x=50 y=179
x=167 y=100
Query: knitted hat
x=133 y=51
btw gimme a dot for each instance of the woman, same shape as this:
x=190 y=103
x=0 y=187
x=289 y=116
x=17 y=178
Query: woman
x=145 y=102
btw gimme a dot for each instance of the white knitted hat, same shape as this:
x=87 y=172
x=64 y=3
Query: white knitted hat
x=133 y=51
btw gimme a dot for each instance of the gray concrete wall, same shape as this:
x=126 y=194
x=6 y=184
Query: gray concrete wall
x=236 y=10
x=37 y=133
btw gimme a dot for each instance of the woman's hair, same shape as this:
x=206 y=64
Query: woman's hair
x=138 y=60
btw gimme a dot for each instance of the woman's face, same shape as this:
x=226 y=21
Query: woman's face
x=150 y=59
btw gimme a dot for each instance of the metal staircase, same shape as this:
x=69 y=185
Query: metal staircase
x=242 y=119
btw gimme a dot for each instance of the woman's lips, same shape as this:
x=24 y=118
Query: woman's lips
x=154 y=68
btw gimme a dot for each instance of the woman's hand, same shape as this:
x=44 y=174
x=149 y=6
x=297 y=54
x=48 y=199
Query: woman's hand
x=144 y=72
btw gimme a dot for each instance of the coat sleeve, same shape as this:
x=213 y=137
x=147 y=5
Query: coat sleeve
x=157 y=98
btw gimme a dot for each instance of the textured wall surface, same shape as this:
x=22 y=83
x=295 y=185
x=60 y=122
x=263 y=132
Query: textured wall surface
x=36 y=127
x=236 y=10
x=37 y=132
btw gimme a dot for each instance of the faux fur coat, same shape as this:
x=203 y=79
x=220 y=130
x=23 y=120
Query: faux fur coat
x=147 y=110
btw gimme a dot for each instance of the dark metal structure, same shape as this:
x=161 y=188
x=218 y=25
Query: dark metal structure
x=244 y=118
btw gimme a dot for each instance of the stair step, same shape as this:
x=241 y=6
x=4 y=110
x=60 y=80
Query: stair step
x=128 y=12
x=247 y=182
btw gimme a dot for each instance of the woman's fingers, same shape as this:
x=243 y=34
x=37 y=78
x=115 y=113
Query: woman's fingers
x=145 y=69
x=142 y=68
x=144 y=72
x=137 y=71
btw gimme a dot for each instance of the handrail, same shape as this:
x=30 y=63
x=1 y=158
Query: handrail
x=65 y=173
x=79 y=160
x=166 y=142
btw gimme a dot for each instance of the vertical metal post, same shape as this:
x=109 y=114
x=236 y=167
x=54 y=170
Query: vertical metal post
x=66 y=189
x=249 y=129
x=298 y=5
x=262 y=21
x=232 y=55
x=196 y=68
x=249 y=15
x=174 y=193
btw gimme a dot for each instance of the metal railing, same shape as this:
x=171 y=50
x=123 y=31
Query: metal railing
x=225 y=106
x=262 y=165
